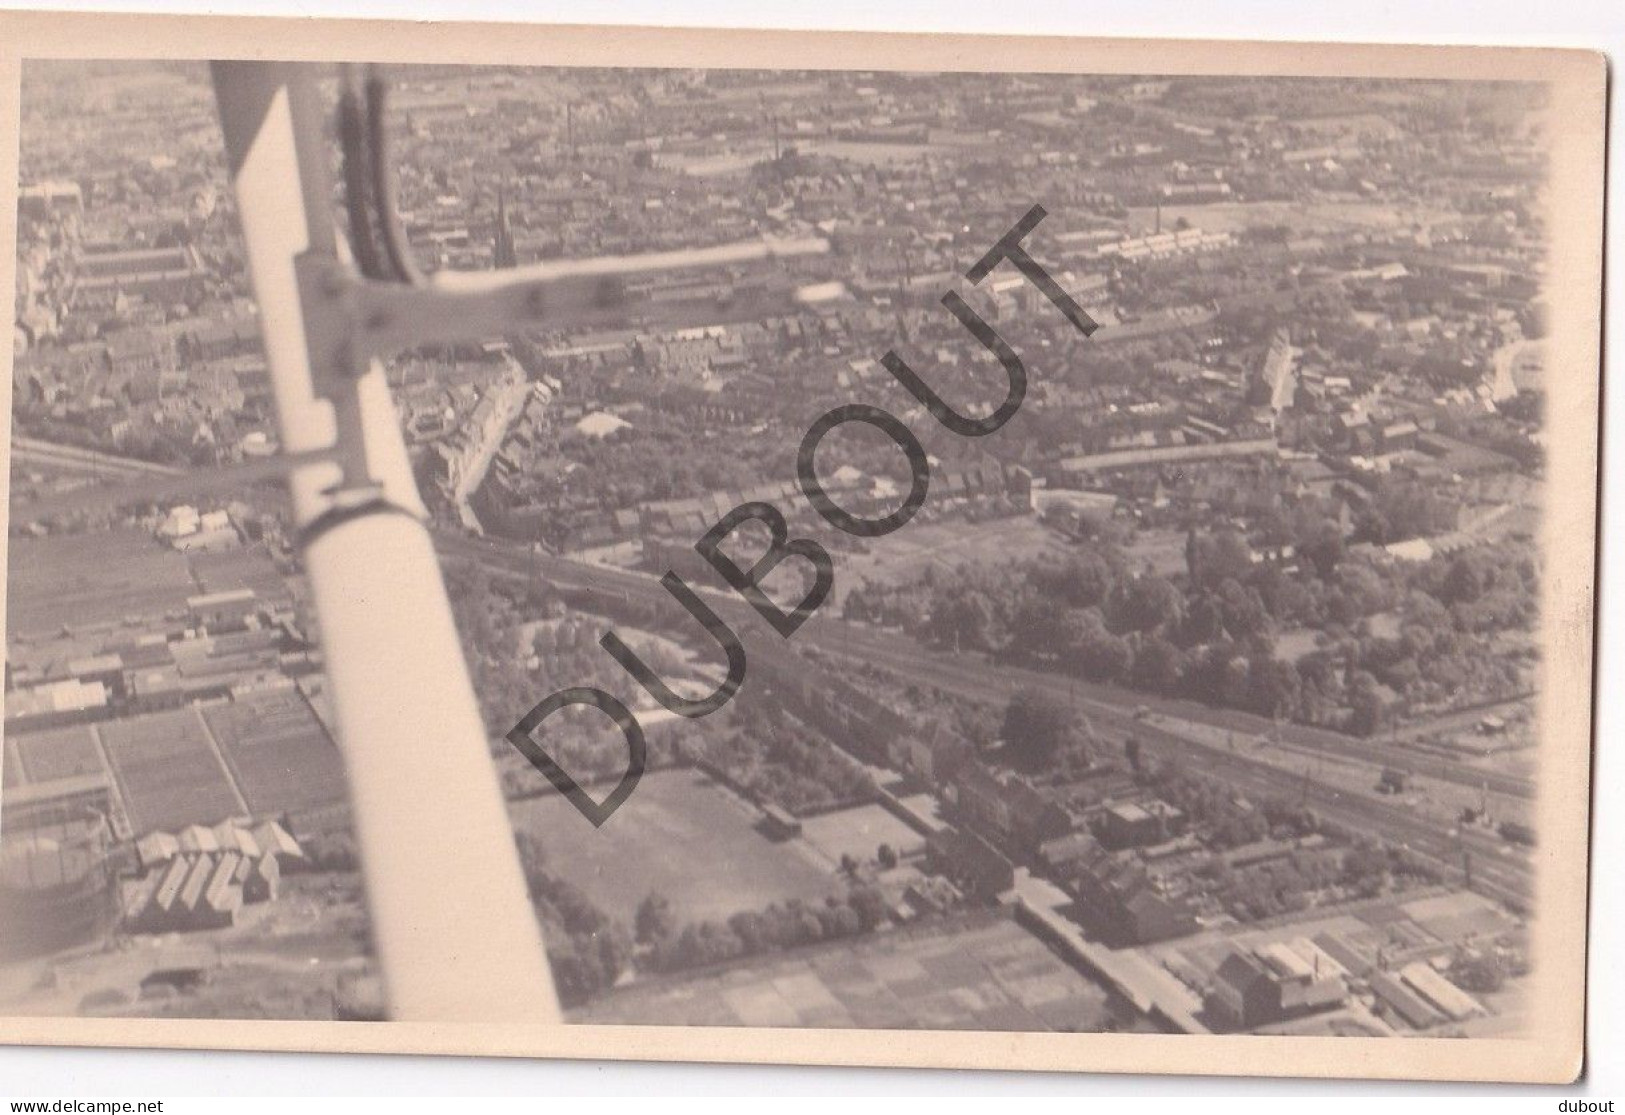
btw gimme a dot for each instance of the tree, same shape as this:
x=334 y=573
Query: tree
x=870 y=906
x=1158 y=666
x=655 y=920
x=1243 y=611
x=1143 y=603
x=614 y=945
x=1480 y=972
x=1366 y=703
x=1277 y=689
x=1463 y=583
x=1037 y=728
x=1322 y=547
x=887 y=856
x=1216 y=558
x=1092 y=650
x=752 y=929
x=1131 y=750
x=964 y=620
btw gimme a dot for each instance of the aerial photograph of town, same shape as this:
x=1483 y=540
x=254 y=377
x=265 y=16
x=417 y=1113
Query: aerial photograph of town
x=1194 y=691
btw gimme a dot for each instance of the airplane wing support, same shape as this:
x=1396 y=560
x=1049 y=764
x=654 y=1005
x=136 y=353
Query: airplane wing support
x=455 y=933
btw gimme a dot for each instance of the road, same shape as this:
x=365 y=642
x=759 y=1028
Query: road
x=31 y=451
x=510 y=396
x=1498 y=870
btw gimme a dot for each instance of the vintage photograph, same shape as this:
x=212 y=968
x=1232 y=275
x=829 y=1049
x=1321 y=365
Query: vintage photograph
x=828 y=549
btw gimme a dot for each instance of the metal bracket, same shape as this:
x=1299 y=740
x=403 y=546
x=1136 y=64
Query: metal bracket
x=329 y=293
x=352 y=320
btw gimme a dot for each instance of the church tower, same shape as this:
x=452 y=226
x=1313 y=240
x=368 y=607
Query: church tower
x=503 y=252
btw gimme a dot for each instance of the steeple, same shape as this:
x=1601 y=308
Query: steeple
x=503 y=253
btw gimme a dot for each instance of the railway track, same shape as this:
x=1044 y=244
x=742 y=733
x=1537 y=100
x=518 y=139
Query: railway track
x=1497 y=871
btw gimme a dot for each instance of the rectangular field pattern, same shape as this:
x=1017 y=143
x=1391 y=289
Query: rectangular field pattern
x=982 y=972
x=278 y=751
x=167 y=771
x=51 y=754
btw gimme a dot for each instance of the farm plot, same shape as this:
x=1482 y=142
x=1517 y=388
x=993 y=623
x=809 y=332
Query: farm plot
x=167 y=772
x=278 y=751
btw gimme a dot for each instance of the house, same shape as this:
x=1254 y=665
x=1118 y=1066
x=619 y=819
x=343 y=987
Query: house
x=1243 y=995
x=1116 y=891
x=1340 y=949
x=1130 y=825
x=779 y=823
x=198 y=838
x=1439 y=992
x=201 y=877
x=971 y=863
x=1008 y=807
x=219 y=341
x=934 y=754
x=1150 y=917
x=1274 y=982
x=233 y=837
x=1401 y=1001
x=1396 y=436
x=221 y=611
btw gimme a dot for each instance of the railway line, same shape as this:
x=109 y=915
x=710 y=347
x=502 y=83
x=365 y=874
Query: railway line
x=1496 y=869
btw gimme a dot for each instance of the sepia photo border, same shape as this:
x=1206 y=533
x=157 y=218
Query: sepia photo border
x=1553 y=1049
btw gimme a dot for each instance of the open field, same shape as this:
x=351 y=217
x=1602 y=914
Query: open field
x=250 y=567
x=680 y=834
x=168 y=774
x=73 y=581
x=859 y=832
x=946 y=545
x=1162 y=550
x=978 y=972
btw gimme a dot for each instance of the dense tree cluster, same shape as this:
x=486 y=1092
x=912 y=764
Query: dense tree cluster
x=1479 y=972
x=1382 y=633
x=1396 y=509
x=586 y=948
x=1276 y=886
x=1225 y=820
x=776 y=757
x=488 y=611
x=1310 y=874
x=779 y=926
